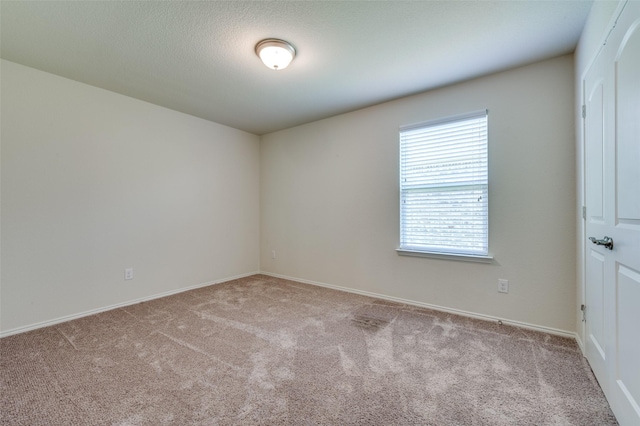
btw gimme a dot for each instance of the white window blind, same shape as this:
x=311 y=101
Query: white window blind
x=444 y=186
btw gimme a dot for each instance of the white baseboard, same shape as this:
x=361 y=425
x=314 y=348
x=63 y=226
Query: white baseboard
x=541 y=328
x=117 y=305
x=534 y=327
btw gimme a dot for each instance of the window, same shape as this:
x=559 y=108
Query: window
x=444 y=187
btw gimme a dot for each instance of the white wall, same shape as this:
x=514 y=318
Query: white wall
x=329 y=199
x=599 y=22
x=94 y=182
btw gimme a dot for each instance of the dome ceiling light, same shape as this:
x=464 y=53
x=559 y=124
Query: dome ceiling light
x=275 y=54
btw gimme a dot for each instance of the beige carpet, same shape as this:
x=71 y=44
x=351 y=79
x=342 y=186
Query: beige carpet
x=261 y=350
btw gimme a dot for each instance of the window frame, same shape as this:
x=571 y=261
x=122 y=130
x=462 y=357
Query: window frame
x=414 y=250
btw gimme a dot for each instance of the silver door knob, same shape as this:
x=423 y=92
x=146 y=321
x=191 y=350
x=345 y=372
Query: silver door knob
x=606 y=241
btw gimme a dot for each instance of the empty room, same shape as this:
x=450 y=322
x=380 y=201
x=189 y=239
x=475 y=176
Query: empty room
x=320 y=212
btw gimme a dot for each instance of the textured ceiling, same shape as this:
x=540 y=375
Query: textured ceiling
x=198 y=57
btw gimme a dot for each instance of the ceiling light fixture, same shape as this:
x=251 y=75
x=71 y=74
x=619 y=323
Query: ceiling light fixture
x=276 y=54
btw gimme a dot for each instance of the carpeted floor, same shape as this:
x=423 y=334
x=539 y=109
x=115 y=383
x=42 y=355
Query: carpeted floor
x=262 y=350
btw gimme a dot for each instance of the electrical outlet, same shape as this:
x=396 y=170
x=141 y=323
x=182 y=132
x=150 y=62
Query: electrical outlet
x=128 y=274
x=503 y=286
x=273 y=254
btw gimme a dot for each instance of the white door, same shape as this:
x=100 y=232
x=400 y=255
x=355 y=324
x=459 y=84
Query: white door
x=612 y=194
x=594 y=126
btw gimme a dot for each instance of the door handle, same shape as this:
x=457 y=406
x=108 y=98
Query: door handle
x=606 y=241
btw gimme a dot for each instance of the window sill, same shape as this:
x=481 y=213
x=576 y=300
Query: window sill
x=446 y=256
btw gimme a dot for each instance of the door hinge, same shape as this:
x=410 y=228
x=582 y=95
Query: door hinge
x=584 y=111
x=584 y=212
x=583 y=308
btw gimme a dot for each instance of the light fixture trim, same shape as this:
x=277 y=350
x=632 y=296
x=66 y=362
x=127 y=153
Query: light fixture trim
x=275 y=53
